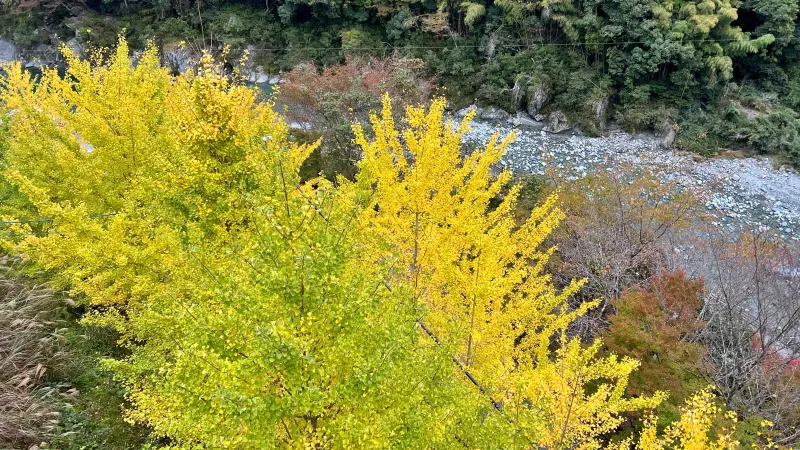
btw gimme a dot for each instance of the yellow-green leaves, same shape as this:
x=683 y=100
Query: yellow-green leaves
x=478 y=277
x=262 y=312
x=252 y=315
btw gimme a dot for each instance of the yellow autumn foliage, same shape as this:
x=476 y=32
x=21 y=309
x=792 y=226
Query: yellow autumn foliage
x=479 y=278
x=264 y=312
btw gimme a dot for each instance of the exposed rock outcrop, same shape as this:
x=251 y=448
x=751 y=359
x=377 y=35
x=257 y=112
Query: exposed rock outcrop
x=538 y=95
x=600 y=110
x=75 y=45
x=557 y=122
x=177 y=57
x=523 y=120
x=8 y=51
x=494 y=114
x=464 y=111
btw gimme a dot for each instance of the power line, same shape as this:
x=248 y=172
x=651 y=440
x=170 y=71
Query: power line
x=519 y=46
x=455 y=46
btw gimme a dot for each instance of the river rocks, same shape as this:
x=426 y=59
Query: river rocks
x=557 y=122
x=741 y=194
x=494 y=114
x=538 y=96
x=8 y=51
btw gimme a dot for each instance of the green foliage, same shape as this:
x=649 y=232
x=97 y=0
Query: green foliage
x=532 y=188
x=643 y=114
x=697 y=136
x=242 y=25
x=93 y=419
x=747 y=121
x=778 y=17
x=792 y=97
x=679 y=52
x=472 y=12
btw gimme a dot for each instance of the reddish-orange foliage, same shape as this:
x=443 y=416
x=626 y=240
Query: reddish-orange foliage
x=352 y=89
x=329 y=100
x=656 y=327
x=774 y=362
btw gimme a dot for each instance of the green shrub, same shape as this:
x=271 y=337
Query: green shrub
x=642 y=108
x=773 y=131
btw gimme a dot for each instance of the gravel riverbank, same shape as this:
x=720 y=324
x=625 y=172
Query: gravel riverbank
x=742 y=193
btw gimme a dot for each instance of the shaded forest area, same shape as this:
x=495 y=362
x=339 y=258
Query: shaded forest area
x=708 y=75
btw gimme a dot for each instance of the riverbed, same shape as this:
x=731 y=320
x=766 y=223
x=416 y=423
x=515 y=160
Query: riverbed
x=743 y=193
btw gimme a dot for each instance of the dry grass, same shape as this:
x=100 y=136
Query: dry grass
x=29 y=343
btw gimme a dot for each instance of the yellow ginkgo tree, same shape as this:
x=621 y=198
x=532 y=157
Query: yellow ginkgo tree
x=173 y=207
x=478 y=278
x=263 y=311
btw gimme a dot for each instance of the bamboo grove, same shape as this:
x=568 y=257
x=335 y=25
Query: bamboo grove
x=259 y=309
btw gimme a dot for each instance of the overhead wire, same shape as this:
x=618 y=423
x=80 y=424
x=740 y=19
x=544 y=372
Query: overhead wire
x=443 y=47
x=523 y=46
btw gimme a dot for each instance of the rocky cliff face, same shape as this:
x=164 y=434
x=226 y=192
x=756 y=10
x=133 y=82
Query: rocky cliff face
x=8 y=50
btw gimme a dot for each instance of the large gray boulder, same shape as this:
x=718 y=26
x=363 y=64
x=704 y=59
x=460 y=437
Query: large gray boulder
x=43 y=55
x=557 y=122
x=75 y=45
x=538 y=95
x=600 y=109
x=464 y=111
x=8 y=51
x=668 y=139
x=494 y=114
x=750 y=113
x=258 y=75
x=668 y=132
x=523 y=120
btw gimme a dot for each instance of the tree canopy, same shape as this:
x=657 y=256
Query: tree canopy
x=262 y=310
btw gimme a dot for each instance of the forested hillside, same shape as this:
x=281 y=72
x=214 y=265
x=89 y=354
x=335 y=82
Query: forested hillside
x=713 y=74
